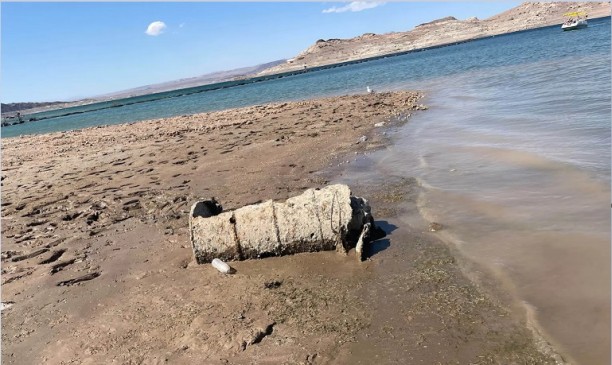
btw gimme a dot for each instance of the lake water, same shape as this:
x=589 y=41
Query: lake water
x=514 y=160
x=513 y=156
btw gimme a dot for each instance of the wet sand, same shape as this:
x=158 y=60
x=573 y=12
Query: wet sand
x=97 y=265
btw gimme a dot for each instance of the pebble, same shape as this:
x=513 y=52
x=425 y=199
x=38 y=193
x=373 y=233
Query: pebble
x=435 y=226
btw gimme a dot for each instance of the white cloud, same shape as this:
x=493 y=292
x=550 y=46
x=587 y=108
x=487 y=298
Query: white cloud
x=354 y=6
x=156 y=28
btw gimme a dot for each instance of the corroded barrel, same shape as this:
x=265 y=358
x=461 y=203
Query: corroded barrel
x=316 y=220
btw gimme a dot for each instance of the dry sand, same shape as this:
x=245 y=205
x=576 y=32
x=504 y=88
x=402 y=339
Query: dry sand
x=97 y=266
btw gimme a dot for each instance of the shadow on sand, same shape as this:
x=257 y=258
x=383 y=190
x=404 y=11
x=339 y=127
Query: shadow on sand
x=381 y=244
x=386 y=226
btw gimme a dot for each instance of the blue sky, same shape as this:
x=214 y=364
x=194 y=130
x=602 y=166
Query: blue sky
x=68 y=51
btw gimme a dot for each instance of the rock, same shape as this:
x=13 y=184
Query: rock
x=362 y=139
x=381 y=124
x=254 y=335
x=318 y=219
x=273 y=284
x=434 y=226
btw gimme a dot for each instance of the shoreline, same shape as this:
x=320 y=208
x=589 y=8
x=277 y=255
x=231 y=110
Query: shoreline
x=494 y=285
x=444 y=201
x=260 y=77
x=112 y=203
x=501 y=288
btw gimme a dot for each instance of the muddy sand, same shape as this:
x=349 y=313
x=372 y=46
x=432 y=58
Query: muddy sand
x=97 y=266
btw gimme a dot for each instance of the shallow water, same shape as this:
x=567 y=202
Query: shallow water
x=515 y=163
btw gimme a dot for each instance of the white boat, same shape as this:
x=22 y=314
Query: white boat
x=577 y=20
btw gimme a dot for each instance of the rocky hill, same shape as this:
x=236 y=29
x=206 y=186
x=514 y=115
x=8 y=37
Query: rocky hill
x=15 y=107
x=437 y=32
x=209 y=78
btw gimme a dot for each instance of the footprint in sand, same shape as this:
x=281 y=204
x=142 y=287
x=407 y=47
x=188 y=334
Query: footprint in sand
x=29 y=255
x=54 y=257
x=79 y=279
x=61 y=265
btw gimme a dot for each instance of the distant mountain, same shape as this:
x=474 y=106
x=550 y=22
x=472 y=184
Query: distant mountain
x=210 y=78
x=15 y=107
x=441 y=20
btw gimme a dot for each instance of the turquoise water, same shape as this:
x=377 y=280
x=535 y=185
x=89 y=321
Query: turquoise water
x=513 y=156
x=383 y=73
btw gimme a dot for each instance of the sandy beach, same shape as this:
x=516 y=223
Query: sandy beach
x=97 y=266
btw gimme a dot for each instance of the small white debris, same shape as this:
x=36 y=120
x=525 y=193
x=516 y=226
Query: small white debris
x=381 y=124
x=221 y=266
x=6 y=305
x=362 y=139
